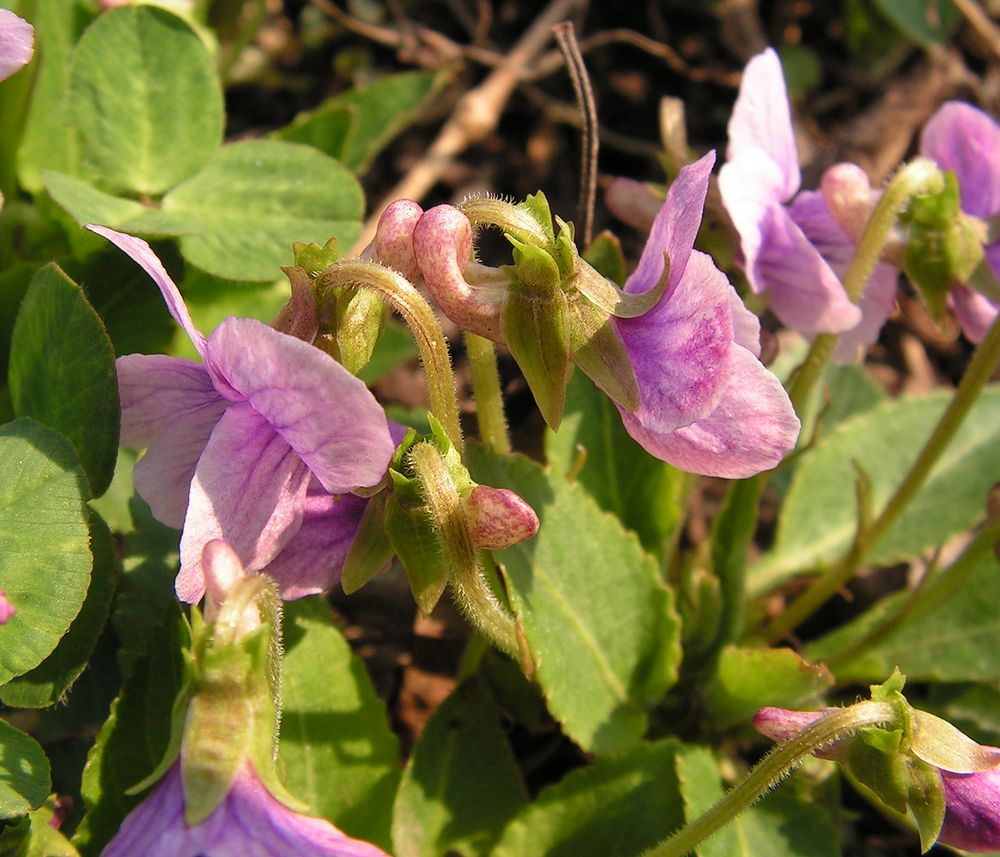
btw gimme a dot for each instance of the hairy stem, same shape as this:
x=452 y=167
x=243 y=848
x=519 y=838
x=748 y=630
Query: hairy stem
x=486 y=390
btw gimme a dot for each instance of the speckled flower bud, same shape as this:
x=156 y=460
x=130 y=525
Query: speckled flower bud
x=499 y=518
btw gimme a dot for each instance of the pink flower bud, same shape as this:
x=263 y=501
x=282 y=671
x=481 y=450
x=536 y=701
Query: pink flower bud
x=499 y=518
x=848 y=195
x=7 y=610
x=393 y=242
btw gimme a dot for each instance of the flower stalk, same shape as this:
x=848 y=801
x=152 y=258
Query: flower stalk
x=487 y=393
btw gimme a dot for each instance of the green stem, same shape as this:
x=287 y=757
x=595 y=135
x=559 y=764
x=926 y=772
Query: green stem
x=770 y=771
x=423 y=324
x=487 y=393
x=983 y=362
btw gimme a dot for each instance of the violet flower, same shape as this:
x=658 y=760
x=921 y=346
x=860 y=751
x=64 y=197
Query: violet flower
x=249 y=821
x=260 y=444
x=708 y=405
x=972 y=801
x=760 y=177
x=17 y=43
x=963 y=139
x=7 y=610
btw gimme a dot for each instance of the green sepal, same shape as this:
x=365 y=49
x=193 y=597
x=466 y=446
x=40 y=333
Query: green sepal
x=453 y=460
x=371 y=549
x=351 y=322
x=231 y=711
x=564 y=249
x=598 y=350
x=944 y=247
x=938 y=743
x=541 y=212
x=925 y=796
x=313 y=258
x=891 y=690
x=605 y=256
x=415 y=540
x=875 y=760
x=600 y=291
x=535 y=324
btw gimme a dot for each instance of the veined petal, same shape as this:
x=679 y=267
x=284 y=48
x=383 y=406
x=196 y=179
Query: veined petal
x=314 y=404
x=313 y=559
x=142 y=254
x=749 y=185
x=749 y=432
x=746 y=326
x=155 y=391
x=250 y=822
x=680 y=349
x=762 y=119
x=249 y=488
x=674 y=229
x=961 y=138
x=17 y=43
x=163 y=475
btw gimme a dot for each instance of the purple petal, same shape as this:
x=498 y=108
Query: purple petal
x=632 y=202
x=679 y=350
x=156 y=390
x=313 y=559
x=746 y=326
x=749 y=432
x=762 y=120
x=967 y=141
x=674 y=229
x=142 y=254
x=974 y=312
x=250 y=822
x=249 y=488
x=314 y=404
x=17 y=43
x=972 y=810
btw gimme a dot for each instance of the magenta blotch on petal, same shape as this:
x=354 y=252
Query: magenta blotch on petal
x=239 y=448
x=7 y=610
x=250 y=822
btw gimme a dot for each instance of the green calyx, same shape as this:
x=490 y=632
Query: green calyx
x=944 y=246
x=351 y=321
x=313 y=258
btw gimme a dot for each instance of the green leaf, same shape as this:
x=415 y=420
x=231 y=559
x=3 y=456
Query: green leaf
x=748 y=679
x=355 y=126
x=46 y=562
x=85 y=203
x=238 y=217
x=50 y=142
x=461 y=785
x=617 y=807
x=47 y=683
x=62 y=371
x=957 y=639
x=132 y=741
x=144 y=94
x=926 y=22
x=595 y=612
x=24 y=773
x=642 y=491
x=35 y=836
x=338 y=752
x=820 y=513
x=147 y=585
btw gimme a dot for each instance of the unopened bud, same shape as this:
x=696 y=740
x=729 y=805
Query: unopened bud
x=393 y=242
x=499 y=518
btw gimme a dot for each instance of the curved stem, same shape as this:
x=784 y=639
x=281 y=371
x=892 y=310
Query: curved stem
x=423 y=324
x=770 y=771
x=983 y=362
x=487 y=392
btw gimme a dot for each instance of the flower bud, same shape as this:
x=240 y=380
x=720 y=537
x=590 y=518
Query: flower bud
x=499 y=518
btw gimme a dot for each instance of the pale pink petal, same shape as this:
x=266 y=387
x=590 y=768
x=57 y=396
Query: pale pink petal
x=762 y=120
x=155 y=390
x=974 y=312
x=142 y=254
x=329 y=417
x=746 y=326
x=679 y=351
x=632 y=202
x=961 y=138
x=674 y=230
x=749 y=185
x=249 y=488
x=17 y=43
x=250 y=822
x=163 y=475
x=313 y=559
x=750 y=431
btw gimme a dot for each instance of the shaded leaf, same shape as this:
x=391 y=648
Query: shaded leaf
x=24 y=773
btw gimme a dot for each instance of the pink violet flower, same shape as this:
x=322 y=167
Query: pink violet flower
x=965 y=140
x=7 y=610
x=249 y=821
x=260 y=444
x=759 y=179
x=17 y=43
x=972 y=801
